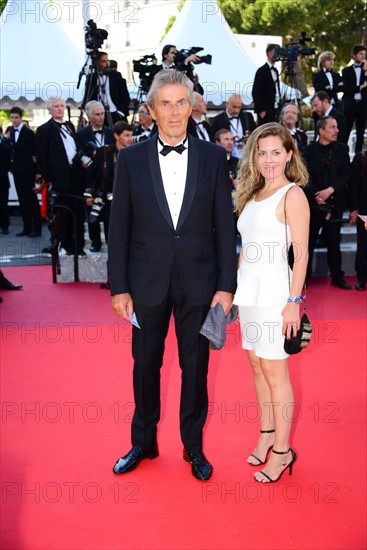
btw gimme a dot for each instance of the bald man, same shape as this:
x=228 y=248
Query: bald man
x=240 y=123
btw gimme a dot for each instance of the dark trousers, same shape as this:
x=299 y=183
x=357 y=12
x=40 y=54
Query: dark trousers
x=269 y=117
x=357 y=113
x=331 y=233
x=148 y=350
x=28 y=202
x=4 y=197
x=94 y=228
x=361 y=254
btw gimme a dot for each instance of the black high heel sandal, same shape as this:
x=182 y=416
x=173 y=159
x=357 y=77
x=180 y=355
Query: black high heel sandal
x=267 y=452
x=290 y=466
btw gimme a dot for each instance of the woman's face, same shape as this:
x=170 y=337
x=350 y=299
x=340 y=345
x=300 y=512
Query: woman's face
x=272 y=157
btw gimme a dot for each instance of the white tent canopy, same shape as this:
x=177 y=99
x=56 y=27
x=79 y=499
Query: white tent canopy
x=202 y=24
x=37 y=58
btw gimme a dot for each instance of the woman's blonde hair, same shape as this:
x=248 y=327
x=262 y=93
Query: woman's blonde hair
x=249 y=178
x=323 y=57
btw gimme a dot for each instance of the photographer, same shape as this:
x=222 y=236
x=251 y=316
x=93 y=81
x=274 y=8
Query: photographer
x=169 y=54
x=266 y=88
x=329 y=174
x=109 y=88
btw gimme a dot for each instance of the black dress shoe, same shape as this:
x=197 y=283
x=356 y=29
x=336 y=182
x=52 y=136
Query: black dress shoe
x=24 y=233
x=341 y=283
x=360 y=285
x=95 y=248
x=200 y=467
x=4 y=283
x=35 y=234
x=133 y=458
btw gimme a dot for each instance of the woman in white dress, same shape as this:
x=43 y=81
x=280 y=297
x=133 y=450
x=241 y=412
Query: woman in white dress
x=270 y=168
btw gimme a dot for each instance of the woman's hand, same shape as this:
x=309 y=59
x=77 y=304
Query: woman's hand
x=291 y=320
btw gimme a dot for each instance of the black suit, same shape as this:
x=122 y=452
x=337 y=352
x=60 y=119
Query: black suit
x=358 y=201
x=118 y=91
x=23 y=168
x=354 y=111
x=321 y=84
x=264 y=93
x=65 y=178
x=327 y=167
x=222 y=121
x=5 y=162
x=192 y=129
x=167 y=269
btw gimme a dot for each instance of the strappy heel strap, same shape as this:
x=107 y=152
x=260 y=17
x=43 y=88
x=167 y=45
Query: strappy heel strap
x=267 y=431
x=281 y=452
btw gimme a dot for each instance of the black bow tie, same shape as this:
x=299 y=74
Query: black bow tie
x=274 y=69
x=357 y=66
x=168 y=148
x=97 y=132
x=16 y=129
x=328 y=70
x=233 y=118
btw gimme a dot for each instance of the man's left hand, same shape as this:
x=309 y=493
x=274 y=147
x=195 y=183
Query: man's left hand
x=224 y=298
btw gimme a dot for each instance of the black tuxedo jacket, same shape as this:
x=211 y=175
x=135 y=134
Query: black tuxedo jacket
x=191 y=128
x=52 y=159
x=358 y=184
x=86 y=134
x=5 y=163
x=23 y=152
x=118 y=90
x=350 y=88
x=101 y=171
x=321 y=84
x=139 y=130
x=264 y=90
x=222 y=121
x=340 y=173
x=143 y=243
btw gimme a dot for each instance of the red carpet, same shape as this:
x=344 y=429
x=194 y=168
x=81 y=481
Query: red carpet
x=67 y=403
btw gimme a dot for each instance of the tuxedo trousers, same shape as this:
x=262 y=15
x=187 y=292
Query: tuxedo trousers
x=28 y=201
x=331 y=233
x=148 y=349
x=357 y=113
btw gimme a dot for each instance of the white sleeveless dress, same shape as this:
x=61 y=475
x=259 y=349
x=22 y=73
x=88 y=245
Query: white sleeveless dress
x=262 y=280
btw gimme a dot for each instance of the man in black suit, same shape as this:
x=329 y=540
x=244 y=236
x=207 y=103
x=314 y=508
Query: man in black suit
x=5 y=164
x=329 y=175
x=355 y=94
x=322 y=107
x=289 y=119
x=266 y=89
x=23 y=167
x=97 y=135
x=327 y=80
x=358 y=206
x=147 y=126
x=240 y=123
x=108 y=87
x=171 y=249
x=197 y=126
x=56 y=149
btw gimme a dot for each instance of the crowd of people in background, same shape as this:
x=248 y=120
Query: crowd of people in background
x=78 y=166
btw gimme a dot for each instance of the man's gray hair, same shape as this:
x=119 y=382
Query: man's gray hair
x=50 y=100
x=92 y=105
x=169 y=76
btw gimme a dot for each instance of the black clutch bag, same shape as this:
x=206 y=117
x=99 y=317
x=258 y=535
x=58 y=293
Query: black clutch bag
x=303 y=337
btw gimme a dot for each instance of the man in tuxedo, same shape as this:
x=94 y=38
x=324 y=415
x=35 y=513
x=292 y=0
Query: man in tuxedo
x=97 y=135
x=171 y=249
x=225 y=139
x=240 y=123
x=197 y=126
x=322 y=107
x=266 y=89
x=110 y=89
x=23 y=167
x=56 y=149
x=355 y=94
x=326 y=80
x=169 y=53
x=5 y=164
x=289 y=118
x=329 y=175
x=147 y=126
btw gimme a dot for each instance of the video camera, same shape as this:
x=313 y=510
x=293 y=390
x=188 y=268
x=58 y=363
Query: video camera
x=85 y=154
x=292 y=50
x=184 y=54
x=94 y=37
x=147 y=68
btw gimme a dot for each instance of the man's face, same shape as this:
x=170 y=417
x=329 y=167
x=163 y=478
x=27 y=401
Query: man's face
x=200 y=105
x=170 y=56
x=171 y=111
x=97 y=117
x=103 y=62
x=319 y=107
x=290 y=116
x=15 y=119
x=328 y=63
x=360 y=56
x=330 y=132
x=145 y=120
x=57 y=109
x=226 y=141
x=125 y=138
x=234 y=106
